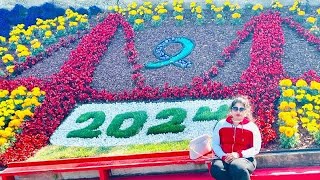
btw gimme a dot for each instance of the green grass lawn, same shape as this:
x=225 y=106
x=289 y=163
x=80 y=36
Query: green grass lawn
x=52 y=152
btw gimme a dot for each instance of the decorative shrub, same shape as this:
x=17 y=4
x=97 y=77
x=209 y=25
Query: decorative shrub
x=114 y=129
x=206 y=114
x=174 y=125
x=89 y=131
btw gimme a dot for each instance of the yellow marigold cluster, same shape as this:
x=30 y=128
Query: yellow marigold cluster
x=15 y=107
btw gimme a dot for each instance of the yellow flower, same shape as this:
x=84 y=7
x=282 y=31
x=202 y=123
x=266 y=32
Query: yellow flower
x=3 y=141
x=309 y=97
x=14 y=39
x=139 y=21
x=315 y=85
x=10 y=69
x=36 y=45
x=60 y=27
x=48 y=34
x=293 y=8
x=289 y=132
x=133 y=12
x=178 y=9
x=7 y=132
x=282 y=129
x=288 y=93
x=311 y=20
x=308 y=106
x=193 y=4
x=291 y=122
x=257 y=7
x=283 y=105
x=294 y=114
x=217 y=9
x=18 y=101
x=44 y=27
x=219 y=16
x=22 y=89
x=305 y=120
x=21 y=48
x=198 y=9
x=2 y=39
x=3 y=50
x=236 y=15
x=4 y=93
x=134 y=5
x=301 y=83
x=179 y=17
x=312 y=127
x=15 y=123
x=7 y=58
x=147 y=3
x=318 y=11
x=300 y=111
x=227 y=3
x=301 y=13
x=292 y=105
x=2 y=123
x=156 y=17
x=24 y=54
x=72 y=24
x=285 y=82
x=285 y=116
x=162 y=11
x=148 y=11
x=211 y=1
x=199 y=16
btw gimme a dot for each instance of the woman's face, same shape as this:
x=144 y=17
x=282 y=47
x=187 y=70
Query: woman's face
x=238 y=112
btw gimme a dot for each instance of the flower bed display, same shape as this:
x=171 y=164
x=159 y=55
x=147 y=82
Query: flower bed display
x=139 y=123
x=298 y=102
x=71 y=87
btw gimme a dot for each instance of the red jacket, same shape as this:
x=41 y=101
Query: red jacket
x=245 y=138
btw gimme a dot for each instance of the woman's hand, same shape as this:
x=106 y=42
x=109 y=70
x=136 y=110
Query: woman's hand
x=231 y=156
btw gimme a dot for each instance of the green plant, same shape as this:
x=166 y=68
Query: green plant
x=174 y=125
x=205 y=114
x=91 y=130
x=289 y=142
x=139 y=118
x=219 y=19
x=316 y=136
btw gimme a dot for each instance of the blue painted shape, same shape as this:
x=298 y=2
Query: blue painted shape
x=183 y=63
x=187 y=47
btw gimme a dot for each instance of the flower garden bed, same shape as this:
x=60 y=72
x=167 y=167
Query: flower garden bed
x=203 y=55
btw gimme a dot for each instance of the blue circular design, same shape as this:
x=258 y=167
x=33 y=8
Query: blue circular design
x=177 y=58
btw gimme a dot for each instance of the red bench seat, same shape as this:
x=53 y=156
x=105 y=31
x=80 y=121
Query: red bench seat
x=101 y=164
x=105 y=164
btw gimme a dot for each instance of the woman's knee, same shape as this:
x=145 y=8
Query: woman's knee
x=238 y=168
x=216 y=169
x=218 y=172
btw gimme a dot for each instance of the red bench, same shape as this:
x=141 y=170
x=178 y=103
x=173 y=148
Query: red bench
x=101 y=164
x=105 y=164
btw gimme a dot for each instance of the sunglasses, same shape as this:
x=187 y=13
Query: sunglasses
x=235 y=108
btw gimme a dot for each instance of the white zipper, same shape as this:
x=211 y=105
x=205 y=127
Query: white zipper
x=234 y=136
